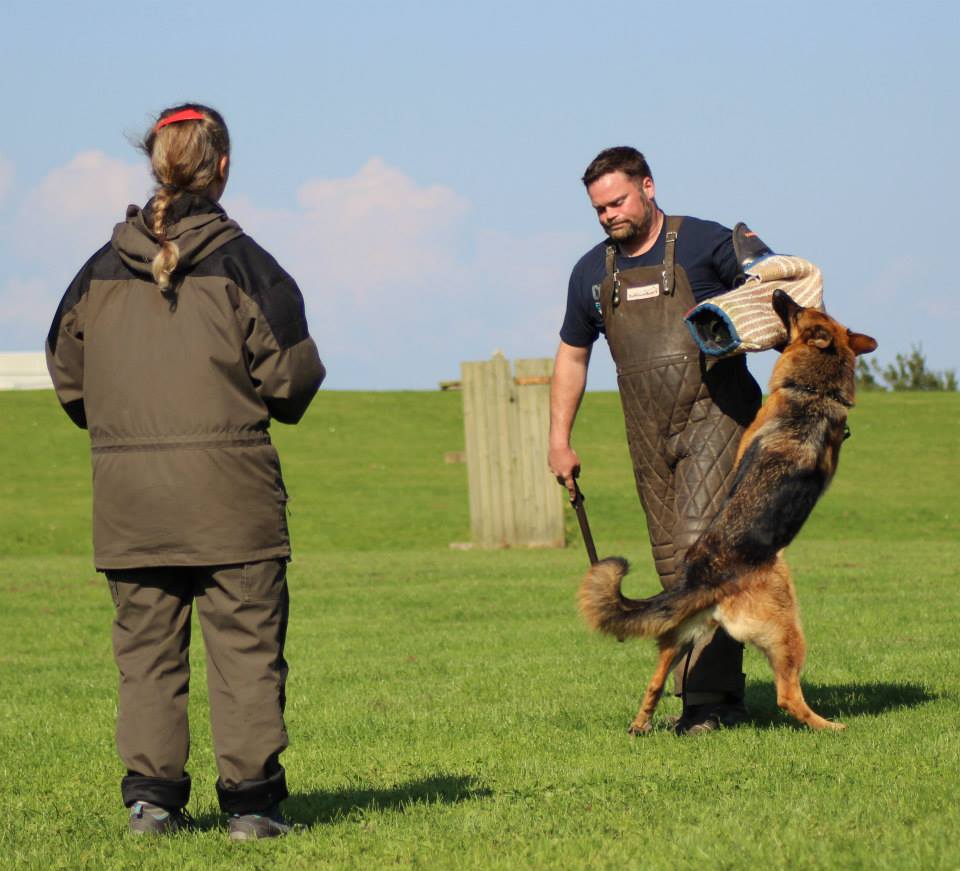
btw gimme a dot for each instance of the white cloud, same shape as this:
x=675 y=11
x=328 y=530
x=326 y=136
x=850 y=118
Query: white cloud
x=71 y=212
x=400 y=285
x=371 y=235
x=54 y=227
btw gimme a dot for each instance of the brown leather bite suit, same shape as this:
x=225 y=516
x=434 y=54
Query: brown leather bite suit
x=684 y=418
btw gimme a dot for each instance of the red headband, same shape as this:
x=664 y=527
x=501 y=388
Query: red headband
x=182 y=115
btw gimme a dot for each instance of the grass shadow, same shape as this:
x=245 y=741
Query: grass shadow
x=324 y=807
x=836 y=701
x=313 y=808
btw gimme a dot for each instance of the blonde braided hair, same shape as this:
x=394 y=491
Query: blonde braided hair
x=185 y=158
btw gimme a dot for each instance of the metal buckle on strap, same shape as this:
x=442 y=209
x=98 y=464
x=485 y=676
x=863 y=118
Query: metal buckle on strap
x=668 y=263
x=612 y=270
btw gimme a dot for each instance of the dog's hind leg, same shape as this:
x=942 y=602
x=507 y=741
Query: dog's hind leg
x=764 y=613
x=785 y=659
x=781 y=640
x=671 y=652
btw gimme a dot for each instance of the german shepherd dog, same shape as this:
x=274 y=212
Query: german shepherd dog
x=735 y=574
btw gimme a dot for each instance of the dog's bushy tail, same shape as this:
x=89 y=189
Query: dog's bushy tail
x=606 y=609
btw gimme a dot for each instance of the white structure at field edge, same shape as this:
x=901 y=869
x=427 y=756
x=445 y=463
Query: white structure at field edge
x=24 y=370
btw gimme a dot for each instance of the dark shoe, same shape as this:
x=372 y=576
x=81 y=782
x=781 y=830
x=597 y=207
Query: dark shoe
x=249 y=827
x=150 y=819
x=700 y=719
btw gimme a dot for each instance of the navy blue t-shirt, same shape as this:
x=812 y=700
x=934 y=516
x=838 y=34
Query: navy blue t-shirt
x=704 y=249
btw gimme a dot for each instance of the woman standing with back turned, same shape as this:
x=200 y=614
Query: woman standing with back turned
x=175 y=345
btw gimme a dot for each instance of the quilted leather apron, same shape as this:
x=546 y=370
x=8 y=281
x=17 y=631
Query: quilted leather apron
x=684 y=419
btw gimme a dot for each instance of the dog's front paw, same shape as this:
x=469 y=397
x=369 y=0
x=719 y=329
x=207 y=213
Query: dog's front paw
x=640 y=727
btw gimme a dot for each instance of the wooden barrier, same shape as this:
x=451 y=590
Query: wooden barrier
x=514 y=500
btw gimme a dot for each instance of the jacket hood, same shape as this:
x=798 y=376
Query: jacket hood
x=199 y=226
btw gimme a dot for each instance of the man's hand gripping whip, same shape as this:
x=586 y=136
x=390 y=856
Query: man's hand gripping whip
x=577 y=503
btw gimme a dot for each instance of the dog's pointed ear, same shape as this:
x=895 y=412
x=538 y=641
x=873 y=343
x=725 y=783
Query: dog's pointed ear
x=820 y=337
x=861 y=344
x=785 y=307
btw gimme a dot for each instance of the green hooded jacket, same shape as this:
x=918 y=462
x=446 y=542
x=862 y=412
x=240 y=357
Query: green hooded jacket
x=178 y=388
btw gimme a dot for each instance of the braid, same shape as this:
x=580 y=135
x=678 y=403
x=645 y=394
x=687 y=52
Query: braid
x=169 y=254
x=185 y=158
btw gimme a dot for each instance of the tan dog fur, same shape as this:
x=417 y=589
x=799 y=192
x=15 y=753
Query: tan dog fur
x=735 y=574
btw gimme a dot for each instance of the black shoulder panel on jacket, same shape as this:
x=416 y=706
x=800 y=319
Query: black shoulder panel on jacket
x=110 y=267
x=78 y=287
x=260 y=277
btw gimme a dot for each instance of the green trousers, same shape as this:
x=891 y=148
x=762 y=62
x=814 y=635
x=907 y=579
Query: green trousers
x=243 y=612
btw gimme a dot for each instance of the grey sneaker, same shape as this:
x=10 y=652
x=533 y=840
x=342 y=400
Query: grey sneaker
x=150 y=819
x=249 y=827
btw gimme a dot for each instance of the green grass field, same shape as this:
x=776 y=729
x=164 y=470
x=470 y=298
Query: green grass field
x=448 y=709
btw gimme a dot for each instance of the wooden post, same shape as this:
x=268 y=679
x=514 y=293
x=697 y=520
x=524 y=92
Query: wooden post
x=540 y=502
x=514 y=500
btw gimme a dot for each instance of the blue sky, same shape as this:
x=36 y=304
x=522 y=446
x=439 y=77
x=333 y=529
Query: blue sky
x=416 y=166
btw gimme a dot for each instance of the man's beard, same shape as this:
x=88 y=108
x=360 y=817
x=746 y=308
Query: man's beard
x=628 y=230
